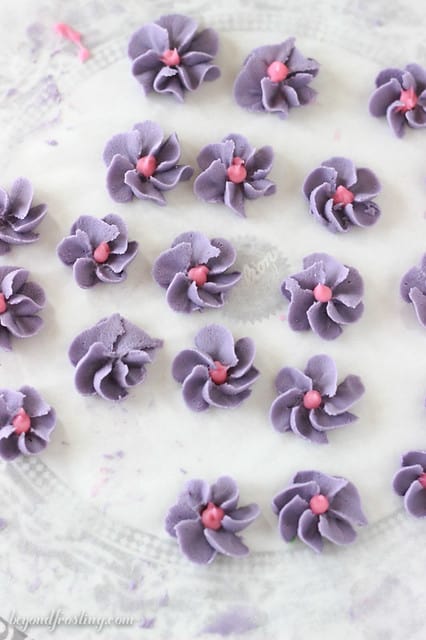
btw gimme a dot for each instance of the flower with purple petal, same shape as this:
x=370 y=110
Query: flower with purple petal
x=310 y=403
x=340 y=195
x=111 y=357
x=18 y=218
x=26 y=422
x=317 y=506
x=232 y=170
x=141 y=164
x=218 y=372
x=324 y=296
x=401 y=97
x=413 y=290
x=171 y=56
x=206 y=520
x=194 y=272
x=410 y=482
x=20 y=303
x=276 y=78
x=98 y=250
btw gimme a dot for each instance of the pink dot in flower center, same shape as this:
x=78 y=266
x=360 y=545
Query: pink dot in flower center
x=199 y=274
x=237 y=172
x=146 y=166
x=319 y=504
x=101 y=253
x=212 y=516
x=312 y=399
x=21 y=422
x=343 y=196
x=277 y=71
x=170 y=57
x=422 y=480
x=3 y=305
x=219 y=374
x=409 y=100
x=322 y=293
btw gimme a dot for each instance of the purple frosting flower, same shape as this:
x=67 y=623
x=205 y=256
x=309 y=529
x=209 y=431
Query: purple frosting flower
x=401 y=97
x=218 y=372
x=20 y=302
x=325 y=295
x=18 y=218
x=276 y=78
x=340 y=195
x=170 y=56
x=317 y=506
x=413 y=289
x=111 y=357
x=140 y=163
x=206 y=519
x=98 y=250
x=194 y=272
x=26 y=422
x=311 y=403
x=410 y=482
x=233 y=170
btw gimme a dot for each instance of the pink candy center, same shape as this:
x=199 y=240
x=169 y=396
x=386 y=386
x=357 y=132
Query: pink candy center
x=237 y=172
x=219 y=374
x=343 y=196
x=199 y=274
x=322 y=293
x=170 y=58
x=422 y=480
x=146 y=166
x=408 y=99
x=21 y=422
x=3 y=305
x=212 y=516
x=312 y=399
x=277 y=71
x=319 y=504
x=101 y=253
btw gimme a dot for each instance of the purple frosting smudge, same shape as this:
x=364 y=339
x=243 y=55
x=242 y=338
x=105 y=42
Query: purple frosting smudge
x=171 y=56
x=235 y=620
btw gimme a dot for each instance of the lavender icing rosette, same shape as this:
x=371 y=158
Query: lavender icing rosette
x=413 y=289
x=20 y=303
x=340 y=195
x=316 y=506
x=206 y=520
x=232 y=170
x=111 y=357
x=171 y=56
x=26 y=422
x=311 y=403
x=401 y=97
x=195 y=272
x=410 y=482
x=18 y=218
x=218 y=372
x=143 y=164
x=98 y=250
x=324 y=296
x=276 y=78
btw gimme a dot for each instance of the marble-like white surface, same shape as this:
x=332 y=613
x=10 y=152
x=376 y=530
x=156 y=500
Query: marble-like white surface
x=76 y=539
